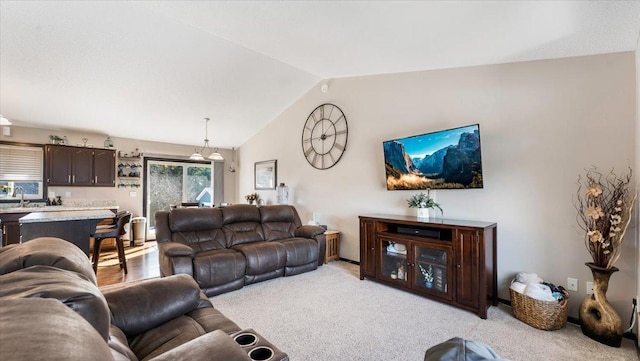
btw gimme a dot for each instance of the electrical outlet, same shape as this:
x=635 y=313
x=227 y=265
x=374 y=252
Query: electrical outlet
x=572 y=284
x=589 y=287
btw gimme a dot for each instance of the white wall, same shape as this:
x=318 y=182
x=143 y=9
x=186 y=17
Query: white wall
x=541 y=124
x=122 y=196
x=637 y=233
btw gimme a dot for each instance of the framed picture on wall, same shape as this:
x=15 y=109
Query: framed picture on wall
x=265 y=174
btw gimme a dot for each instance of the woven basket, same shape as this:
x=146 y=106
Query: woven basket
x=543 y=315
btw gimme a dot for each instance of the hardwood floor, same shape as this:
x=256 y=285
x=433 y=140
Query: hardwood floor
x=142 y=263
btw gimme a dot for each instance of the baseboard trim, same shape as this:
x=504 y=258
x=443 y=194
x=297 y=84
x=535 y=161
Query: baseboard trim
x=576 y=321
x=348 y=260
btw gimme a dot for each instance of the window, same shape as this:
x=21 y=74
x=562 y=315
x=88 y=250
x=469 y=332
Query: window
x=21 y=171
x=169 y=183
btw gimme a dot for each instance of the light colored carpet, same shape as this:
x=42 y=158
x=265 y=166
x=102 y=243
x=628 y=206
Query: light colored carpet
x=329 y=314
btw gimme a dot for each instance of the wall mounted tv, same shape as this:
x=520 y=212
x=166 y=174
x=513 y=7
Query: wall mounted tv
x=446 y=159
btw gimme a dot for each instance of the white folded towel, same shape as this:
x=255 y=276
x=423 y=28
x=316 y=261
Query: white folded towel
x=518 y=286
x=539 y=291
x=527 y=278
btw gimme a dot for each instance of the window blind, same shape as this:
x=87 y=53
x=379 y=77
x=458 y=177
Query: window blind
x=21 y=163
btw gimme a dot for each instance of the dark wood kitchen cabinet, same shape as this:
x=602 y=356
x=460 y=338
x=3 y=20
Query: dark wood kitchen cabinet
x=11 y=227
x=104 y=168
x=453 y=261
x=79 y=166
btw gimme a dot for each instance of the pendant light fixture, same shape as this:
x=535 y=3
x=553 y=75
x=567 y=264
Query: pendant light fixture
x=198 y=154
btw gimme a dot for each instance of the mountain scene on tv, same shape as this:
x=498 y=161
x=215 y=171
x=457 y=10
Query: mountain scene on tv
x=449 y=159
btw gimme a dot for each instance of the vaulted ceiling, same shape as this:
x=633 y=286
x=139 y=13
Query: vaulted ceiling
x=153 y=70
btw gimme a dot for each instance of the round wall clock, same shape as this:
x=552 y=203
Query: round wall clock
x=324 y=136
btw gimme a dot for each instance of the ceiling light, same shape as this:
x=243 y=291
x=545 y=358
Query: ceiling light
x=4 y=121
x=198 y=154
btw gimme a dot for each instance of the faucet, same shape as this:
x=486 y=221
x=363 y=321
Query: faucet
x=22 y=201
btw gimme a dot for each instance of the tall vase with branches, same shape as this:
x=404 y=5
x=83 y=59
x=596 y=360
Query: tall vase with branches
x=605 y=205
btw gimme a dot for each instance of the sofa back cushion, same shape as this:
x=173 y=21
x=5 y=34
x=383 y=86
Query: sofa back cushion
x=241 y=224
x=70 y=288
x=46 y=329
x=200 y=228
x=279 y=222
x=46 y=251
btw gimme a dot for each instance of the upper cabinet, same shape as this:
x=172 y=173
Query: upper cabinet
x=79 y=166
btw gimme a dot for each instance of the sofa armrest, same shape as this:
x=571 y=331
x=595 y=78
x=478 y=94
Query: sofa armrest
x=175 y=258
x=175 y=249
x=143 y=305
x=212 y=346
x=309 y=231
x=316 y=233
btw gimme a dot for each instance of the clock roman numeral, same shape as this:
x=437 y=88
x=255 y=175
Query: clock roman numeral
x=339 y=147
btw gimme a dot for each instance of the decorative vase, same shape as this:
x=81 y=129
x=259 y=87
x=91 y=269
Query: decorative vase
x=598 y=319
x=423 y=213
x=428 y=284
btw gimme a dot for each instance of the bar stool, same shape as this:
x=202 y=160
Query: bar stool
x=117 y=230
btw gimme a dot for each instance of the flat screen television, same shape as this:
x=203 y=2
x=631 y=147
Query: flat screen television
x=446 y=159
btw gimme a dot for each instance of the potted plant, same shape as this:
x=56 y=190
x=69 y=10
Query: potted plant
x=428 y=275
x=252 y=197
x=423 y=202
x=605 y=205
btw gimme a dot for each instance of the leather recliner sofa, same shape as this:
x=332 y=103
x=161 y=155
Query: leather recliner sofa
x=51 y=308
x=226 y=248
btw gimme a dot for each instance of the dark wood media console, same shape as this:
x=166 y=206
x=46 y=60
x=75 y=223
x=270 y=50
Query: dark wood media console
x=453 y=261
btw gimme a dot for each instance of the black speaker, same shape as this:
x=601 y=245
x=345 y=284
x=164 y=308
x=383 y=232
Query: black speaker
x=431 y=233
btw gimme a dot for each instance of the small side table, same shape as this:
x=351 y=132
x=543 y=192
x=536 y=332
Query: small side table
x=333 y=246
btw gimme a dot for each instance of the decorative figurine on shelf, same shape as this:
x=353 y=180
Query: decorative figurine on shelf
x=108 y=143
x=394 y=275
x=401 y=273
x=428 y=275
x=58 y=201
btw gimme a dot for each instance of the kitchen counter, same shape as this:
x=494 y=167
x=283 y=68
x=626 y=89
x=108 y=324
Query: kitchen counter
x=73 y=226
x=39 y=217
x=62 y=208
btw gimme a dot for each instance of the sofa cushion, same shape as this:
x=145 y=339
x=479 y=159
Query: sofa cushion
x=211 y=319
x=46 y=251
x=200 y=228
x=263 y=258
x=164 y=337
x=200 y=349
x=279 y=221
x=70 y=288
x=240 y=213
x=300 y=251
x=46 y=329
x=242 y=224
x=119 y=345
x=140 y=306
x=218 y=267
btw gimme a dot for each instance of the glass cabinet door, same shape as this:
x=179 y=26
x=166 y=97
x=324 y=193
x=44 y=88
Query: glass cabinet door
x=393 y=260
x=433 y=274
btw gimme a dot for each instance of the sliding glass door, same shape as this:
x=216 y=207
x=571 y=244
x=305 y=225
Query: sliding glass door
x=171 y=183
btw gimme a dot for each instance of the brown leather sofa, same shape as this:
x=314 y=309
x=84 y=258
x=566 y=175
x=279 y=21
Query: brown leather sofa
x=51 y=308
x=226 y=248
